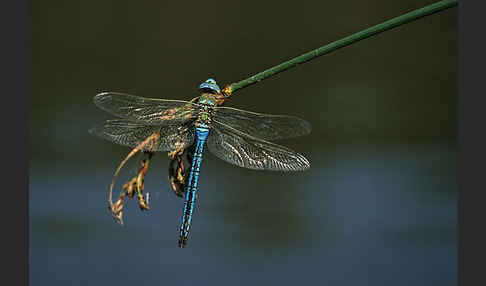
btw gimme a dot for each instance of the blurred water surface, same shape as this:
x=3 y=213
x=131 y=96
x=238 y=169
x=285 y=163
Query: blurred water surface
x=360 y=214
x=377 y=207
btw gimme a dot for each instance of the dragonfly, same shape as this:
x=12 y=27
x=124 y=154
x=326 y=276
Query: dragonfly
x=242 y=138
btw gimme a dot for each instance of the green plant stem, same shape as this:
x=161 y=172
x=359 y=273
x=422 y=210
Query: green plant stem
x=387 y=25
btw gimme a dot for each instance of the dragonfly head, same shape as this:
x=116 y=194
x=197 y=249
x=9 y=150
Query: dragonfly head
x=210 y=86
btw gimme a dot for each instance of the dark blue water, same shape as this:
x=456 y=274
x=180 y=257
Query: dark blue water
x=367 y=214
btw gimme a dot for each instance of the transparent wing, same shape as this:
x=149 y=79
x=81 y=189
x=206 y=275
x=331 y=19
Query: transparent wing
x=130 y=133
x=246 y=151
x=264 y=126
x=149 y=110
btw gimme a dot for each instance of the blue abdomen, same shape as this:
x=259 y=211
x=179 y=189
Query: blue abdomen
x=191 y=187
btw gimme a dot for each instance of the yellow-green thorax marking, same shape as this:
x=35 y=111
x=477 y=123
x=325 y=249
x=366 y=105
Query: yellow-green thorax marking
x=206 y=103
x=208 y=99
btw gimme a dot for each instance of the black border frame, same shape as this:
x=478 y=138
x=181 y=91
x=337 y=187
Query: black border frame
x=472 y=141
x=15 y=64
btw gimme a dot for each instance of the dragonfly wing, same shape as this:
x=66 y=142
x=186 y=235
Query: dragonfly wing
x=130 y=133
x=264 y=126
x=236 y=147
x=149 y=110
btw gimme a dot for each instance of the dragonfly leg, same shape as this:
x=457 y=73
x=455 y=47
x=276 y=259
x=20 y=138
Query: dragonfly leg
x=177 y=152
x=135 y=183
x=140 y=180
x=116 y=208
x=189 y=152
x=130 y=187
x=176 y=169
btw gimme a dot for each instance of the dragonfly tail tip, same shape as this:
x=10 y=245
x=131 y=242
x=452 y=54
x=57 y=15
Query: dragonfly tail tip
x=182 y=242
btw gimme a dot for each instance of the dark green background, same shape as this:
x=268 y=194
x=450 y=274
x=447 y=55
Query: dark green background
x=377 y=207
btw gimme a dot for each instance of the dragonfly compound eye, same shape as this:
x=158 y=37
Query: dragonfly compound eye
x=210 y=85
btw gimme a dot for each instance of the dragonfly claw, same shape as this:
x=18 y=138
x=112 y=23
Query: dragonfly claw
x=116 y=209
x=119 y=217
x=176 y=187
x=143 y=203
